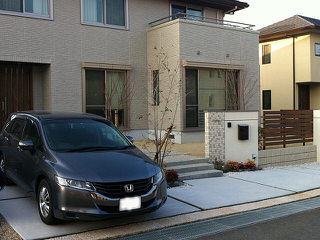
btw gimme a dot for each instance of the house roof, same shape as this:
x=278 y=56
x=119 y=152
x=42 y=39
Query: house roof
x=294 y=25
x=225 y=5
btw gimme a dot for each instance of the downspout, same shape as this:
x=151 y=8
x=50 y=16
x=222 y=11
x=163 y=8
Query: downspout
x=294 y=71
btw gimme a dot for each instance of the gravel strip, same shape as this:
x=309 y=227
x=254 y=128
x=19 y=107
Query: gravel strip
x=7 y=232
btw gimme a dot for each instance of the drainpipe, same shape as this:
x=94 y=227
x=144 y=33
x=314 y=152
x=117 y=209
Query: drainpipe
x=294 y=71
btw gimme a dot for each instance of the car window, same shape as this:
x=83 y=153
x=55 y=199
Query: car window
x=64 y=135
x=16 y=128
x=31 y=133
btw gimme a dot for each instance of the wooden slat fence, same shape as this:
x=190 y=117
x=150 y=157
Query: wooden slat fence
x=287 y=127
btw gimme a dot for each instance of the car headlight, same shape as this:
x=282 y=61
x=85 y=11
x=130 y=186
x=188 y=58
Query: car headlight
x=75 y=184
x=158 y=177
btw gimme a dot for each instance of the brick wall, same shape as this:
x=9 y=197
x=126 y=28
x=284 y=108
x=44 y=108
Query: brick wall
x=287 y=156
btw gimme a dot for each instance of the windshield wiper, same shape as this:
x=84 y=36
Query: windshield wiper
x=124 y=147
x=90 y=149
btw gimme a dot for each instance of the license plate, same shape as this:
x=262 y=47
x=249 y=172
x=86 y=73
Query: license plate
x=127 y=204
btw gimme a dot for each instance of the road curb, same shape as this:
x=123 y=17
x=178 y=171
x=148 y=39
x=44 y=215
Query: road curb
x=151 y=225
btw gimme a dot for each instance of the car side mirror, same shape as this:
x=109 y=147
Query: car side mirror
x=131 y=139
x=26 y=145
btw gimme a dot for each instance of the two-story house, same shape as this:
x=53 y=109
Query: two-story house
x=290 y=64
x=71 y=55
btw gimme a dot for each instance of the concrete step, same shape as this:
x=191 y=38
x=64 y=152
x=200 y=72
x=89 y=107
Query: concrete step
x=193 y=167
x=200 y=174
x=173 y=163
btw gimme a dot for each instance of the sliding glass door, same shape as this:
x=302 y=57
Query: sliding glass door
x=205 y=91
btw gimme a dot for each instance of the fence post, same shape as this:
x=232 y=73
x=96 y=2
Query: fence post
x=316 y=132
x=263 y=136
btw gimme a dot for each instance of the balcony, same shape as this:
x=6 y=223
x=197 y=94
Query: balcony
x=209 y=41
x=201 y=19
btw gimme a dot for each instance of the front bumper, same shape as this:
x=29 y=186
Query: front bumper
x=74 y=204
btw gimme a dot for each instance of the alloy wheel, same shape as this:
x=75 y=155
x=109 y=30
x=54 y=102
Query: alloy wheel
x=44 y=201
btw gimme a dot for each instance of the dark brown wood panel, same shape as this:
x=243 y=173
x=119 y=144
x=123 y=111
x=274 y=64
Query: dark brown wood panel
x=287 y=127
x=15 y=89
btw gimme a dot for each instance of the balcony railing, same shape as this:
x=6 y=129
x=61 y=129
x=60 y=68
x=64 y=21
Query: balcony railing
x=201 y=19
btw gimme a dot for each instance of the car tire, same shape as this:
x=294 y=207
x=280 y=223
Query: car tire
x=45 y=203
x=8 y=182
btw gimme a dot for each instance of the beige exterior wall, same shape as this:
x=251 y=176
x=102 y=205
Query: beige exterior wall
x=65 y=43
x=315 y=60
x=278 y=76
x=205 y=43
x=58 y=47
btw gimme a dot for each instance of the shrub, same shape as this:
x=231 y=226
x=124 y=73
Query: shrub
x=250 y=165
x=234 y=166
x=172 y=175
x=226 y=168
x=219 y=165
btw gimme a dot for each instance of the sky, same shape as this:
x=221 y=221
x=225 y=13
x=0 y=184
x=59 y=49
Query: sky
x=265 y=12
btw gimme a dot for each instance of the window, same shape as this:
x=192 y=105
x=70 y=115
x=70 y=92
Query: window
x=35 y=8
x=73 y=135
x=16 y=127
x=266 y=99
x=205 y=91
x=104 y=12
x=266 y=54
x=189 y=13
x=317 y=49
x=31 y=133
x=106 y=95
x=156 y=90
x=191 y=98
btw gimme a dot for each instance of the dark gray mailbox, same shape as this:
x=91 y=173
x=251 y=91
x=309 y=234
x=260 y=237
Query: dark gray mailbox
x=243 y=132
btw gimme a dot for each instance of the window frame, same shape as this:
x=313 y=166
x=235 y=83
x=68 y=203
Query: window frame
x=263 y=100
x=104 y=24
x=186 y=6
x=106 y=70
x=156 y=91
x=31 y=15
x=315 y=49
x=264 y=55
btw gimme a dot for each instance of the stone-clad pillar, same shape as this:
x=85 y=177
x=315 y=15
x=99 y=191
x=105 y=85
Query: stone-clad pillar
x=215 y=135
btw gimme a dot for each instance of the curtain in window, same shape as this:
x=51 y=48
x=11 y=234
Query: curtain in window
x=11 y=5
x=93 y=11
x=115 y=12
x=116 y=89
x=37 y=6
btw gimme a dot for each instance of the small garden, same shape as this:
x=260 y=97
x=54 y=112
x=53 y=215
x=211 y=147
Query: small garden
x=233 y=166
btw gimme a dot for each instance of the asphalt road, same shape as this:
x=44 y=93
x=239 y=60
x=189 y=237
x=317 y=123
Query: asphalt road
x=302 y=226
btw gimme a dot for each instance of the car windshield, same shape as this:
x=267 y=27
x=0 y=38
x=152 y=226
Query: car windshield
x=83 y=135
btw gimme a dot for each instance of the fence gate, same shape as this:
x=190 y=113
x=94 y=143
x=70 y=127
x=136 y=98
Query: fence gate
x=287 y=127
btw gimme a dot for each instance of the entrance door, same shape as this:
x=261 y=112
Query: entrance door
x=304 y=97
x=15 y=89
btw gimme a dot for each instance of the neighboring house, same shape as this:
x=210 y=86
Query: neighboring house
x=65 y=55
x=290 y=64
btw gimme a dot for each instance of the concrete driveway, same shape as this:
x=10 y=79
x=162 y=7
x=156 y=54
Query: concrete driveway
x=19 y=209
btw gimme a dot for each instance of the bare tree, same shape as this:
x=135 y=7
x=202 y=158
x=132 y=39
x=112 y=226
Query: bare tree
x=240 y=90
x=164 y=102
x=117 y=94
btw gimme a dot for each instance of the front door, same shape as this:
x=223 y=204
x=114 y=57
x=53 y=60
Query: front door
x=15 y=89
x=304 y=97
